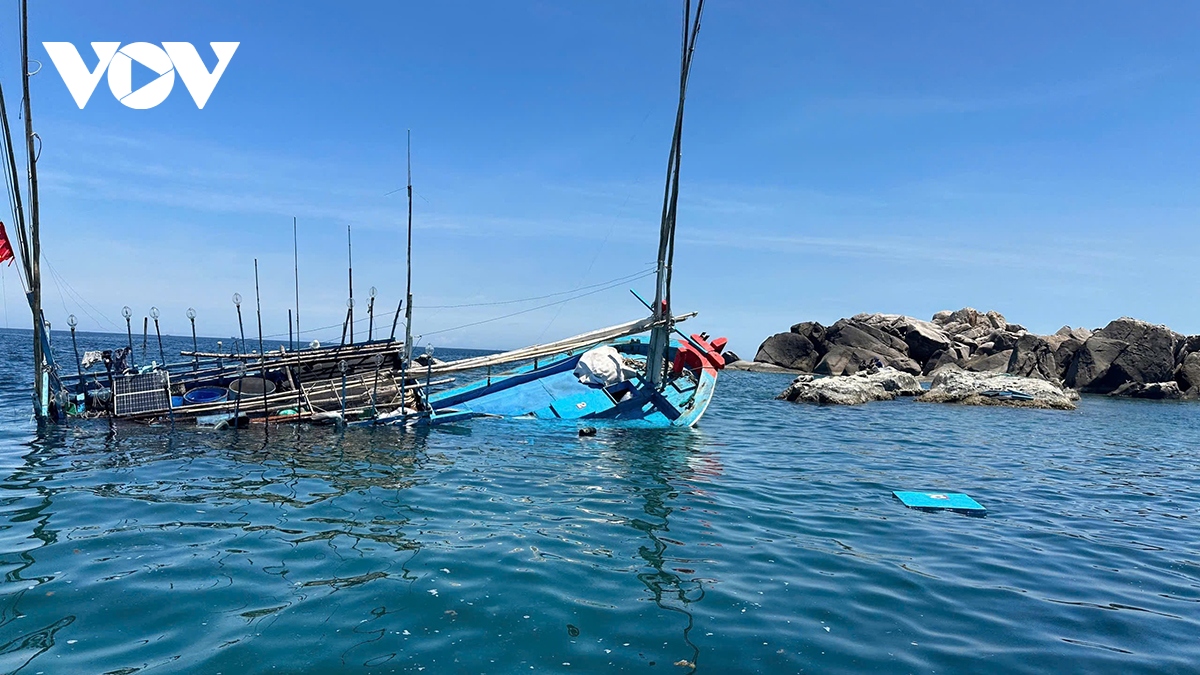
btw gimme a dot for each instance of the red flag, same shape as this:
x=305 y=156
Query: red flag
x=6 y=252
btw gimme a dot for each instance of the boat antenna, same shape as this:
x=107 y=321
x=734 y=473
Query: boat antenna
x=408 y=306
x=660 y=334
x=296 y=273
x=350 y=270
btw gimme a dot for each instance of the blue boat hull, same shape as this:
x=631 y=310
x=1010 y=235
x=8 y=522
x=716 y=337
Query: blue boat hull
x=549 y=390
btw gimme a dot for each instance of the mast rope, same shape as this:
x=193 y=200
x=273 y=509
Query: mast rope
x=571 y=344
x=630 y=277
x=77 y=298
x=12 y=183
x=526 y=311
x=591 y=290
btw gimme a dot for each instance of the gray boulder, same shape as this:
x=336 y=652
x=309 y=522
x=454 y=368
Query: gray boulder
x=1064 y=354
x=924 y=339
x=1186 y=345
x=954 y=385
x=841 y=360
x=757 y=367
x=812 y=330
x=860 y=344
x=884 y=384
x=1090 y=368
x=1187 y=375
x=921 y=338
x=970 y=326
x=1001 y=340
x=941 y=358
x=1126 y=350
x=968 y=316
x=789 y=350
x=858 y=334
x=996 y=319
x=1081 y=334
x=989 y=363
x=1158 y=391
x=1033 y=357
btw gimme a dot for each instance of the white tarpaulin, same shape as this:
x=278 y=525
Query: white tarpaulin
x=601 y=366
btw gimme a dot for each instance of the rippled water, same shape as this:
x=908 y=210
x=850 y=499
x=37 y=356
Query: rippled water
x=766 y=541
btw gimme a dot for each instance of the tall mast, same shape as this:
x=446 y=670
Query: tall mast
x=408 y=262
x=296 y=273
x=660 y=334
x=40 y=384
x=350 y=270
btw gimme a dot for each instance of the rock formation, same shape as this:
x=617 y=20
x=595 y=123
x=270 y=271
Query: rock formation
x=789 y=350
x=1125 y=352
x=882 y=384
x=955 y=385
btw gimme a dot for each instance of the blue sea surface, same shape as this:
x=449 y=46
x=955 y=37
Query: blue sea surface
x=766 y=540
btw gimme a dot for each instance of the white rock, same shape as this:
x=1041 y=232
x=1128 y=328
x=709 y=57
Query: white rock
x=884 y=384
x=952 y=384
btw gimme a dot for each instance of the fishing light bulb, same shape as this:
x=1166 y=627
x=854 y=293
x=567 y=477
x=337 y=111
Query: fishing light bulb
x=191 y=314
x=71 y=321
x=428 y=350
x=372 y=292
x=126 y=312
x=237 y=299
x=154 y=313
x=350 y=303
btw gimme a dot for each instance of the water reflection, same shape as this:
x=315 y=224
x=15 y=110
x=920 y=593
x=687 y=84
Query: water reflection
x=272 y=523
x=664 y=461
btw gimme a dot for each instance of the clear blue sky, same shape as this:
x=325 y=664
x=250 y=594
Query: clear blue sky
x=1040 y=159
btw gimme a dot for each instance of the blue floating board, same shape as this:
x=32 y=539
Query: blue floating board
x=940 y=501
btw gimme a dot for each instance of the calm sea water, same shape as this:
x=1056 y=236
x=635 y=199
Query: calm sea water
x=765 y=541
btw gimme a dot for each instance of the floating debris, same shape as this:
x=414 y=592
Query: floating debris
x=940 y=501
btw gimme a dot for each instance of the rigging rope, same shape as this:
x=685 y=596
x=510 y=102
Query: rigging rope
x=597 y=288
x=76 y=297
x=12 y=183
x=4 y=291
x=630 y=277
x=525 y=311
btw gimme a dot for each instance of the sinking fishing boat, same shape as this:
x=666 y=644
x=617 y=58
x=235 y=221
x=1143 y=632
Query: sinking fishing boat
x=643 y=372
x=345 y=384
x=352 y=383
x=365 y=383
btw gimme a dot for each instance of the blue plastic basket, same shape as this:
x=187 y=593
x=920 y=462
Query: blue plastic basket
x=205 y=395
